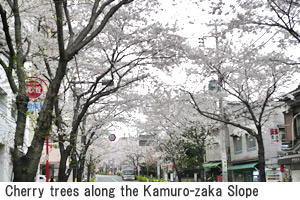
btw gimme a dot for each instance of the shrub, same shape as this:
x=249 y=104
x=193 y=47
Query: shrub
x=157 y=180
x=141 y=178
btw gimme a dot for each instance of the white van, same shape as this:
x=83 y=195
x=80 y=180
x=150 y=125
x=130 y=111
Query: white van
x=40 y=178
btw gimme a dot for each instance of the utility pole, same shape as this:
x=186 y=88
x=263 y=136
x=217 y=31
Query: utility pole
x=223 y=134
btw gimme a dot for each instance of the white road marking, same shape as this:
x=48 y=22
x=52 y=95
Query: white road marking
x=114 y=179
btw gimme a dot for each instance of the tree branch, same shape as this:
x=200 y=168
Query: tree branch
x=82 y=40
x=213 y=117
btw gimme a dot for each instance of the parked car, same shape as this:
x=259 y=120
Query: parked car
x=40 y=178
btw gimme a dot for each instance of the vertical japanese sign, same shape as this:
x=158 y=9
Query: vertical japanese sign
x=224 y=167
x=274 y=135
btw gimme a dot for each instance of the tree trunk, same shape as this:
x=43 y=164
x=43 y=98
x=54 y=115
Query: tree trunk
x=261 y=156
x=147 y=170
x=64 y=155
x=89 y=172
x=179 y=176
x=21 y=173
x=62 y=176
x=80 y=170
x=201 y=169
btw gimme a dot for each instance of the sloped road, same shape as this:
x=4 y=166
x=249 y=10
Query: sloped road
x=109 y=178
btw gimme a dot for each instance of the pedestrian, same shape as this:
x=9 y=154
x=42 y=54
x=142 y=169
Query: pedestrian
x=286 y=177
x=52 y=179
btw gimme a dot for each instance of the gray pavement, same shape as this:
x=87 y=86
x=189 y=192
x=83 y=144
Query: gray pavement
x=109 y=178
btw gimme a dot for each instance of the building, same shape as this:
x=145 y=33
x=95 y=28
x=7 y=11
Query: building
x=213 y=164
x=7 y=128
x=146 y=140
x=290 y=158
x=243 y=151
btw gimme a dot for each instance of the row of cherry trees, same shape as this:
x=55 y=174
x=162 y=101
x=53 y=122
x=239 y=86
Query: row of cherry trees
x=93 y=53
x=87 y=51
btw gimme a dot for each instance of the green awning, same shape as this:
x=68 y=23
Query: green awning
x=211 y=165
x=244 y=166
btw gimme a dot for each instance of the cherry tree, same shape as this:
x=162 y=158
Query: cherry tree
x=125 y=55
x=180 y=133
x=250 y=76
x=277 y=15
x=71 y=37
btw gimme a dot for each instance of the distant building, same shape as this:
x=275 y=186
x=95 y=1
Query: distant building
x=146 y=140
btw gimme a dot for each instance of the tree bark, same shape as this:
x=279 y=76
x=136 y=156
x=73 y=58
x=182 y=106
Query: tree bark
x=201 y=169
x=63 y=175
x=261 y=156
x=80 y=170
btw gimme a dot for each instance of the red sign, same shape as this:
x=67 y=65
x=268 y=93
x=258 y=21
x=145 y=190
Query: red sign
x=274 y=135
x=33 y=89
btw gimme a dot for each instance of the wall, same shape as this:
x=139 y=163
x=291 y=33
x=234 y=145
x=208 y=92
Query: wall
x=271 y=149
x=296 y=175
x=7 y=128
x=213 y=153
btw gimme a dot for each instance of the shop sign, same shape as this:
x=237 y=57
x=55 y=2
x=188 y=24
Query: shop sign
x=274 y=135
x=296 y=160
x=288 y=160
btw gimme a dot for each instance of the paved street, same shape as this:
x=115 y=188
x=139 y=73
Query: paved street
x=109 y=178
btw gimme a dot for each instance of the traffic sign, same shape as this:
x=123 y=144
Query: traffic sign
x=34 y=89
x=112 y=137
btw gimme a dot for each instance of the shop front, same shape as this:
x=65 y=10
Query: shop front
x=244 y=172
x=292 y=164
x=213 y=171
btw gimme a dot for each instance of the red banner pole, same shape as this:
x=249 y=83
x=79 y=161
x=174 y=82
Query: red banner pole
x=47 y=159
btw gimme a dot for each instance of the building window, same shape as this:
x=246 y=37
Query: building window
x=251 y=143
x=297 y=127
x=237 y=141
x=282 y=133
